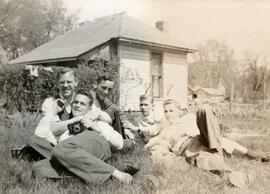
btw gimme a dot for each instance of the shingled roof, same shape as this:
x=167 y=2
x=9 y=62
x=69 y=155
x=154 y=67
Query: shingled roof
x=97 y=32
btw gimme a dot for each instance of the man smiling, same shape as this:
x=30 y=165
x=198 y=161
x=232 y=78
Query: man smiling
x=101 y=93
x=39 y=145
x=84 y=154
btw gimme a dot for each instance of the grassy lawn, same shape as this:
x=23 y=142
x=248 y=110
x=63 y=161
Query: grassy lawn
x=176 y=176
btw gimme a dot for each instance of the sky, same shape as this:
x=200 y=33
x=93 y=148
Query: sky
x=242 y=24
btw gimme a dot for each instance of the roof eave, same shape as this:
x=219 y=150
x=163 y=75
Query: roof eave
x=188 y=50
x=44 y=61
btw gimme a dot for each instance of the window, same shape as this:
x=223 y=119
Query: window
x=156 y=75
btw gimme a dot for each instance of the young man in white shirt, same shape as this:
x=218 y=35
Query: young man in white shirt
x=84 y=151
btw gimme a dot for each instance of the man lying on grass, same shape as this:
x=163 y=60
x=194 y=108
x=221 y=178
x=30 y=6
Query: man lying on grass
x=166 y=136
x=202 y=146
x=83 y=152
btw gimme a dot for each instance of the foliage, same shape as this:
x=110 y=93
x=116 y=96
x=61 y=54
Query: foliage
x=255 y=75
x=26 y=24
x=213 y=61
x=100 y=67
x=24 y=92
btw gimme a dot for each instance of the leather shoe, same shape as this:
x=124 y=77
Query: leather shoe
x=131 y=167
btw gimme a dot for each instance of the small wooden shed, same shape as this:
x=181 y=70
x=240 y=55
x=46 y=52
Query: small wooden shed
x=157 y=59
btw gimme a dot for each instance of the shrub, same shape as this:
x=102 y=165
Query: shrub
x=24 y=92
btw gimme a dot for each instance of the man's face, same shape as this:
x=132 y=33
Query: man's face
x=172 y=112
x=146 y=106
x=67 y=84
x=104 y=89
x=80 y=105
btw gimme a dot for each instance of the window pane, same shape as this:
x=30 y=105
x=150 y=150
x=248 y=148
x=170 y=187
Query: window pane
x=156 y=86
x=156 y=74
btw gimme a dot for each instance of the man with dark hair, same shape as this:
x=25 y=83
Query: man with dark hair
x=84 y=151
x=103 y=88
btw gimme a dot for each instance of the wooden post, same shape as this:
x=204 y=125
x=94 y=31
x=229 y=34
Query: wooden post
x=264 y=94
x=231 y=96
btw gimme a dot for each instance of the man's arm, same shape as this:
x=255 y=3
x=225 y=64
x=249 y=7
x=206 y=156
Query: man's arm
x=149 y=129
x=102 y=115
x=58 y=128
x=96 y=114
x=125 y=122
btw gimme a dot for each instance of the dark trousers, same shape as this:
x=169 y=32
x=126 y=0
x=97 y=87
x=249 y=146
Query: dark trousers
x=41 y=148
x=84 y=155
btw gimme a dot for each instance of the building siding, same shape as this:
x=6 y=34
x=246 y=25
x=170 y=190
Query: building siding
x=137 y=60
x=134 y=63
x=175 y=77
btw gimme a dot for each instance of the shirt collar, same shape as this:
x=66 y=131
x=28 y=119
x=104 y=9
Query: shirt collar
x=68 y=103
x=150 y=118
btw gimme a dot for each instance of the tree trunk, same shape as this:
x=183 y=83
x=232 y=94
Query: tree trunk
x=254 y=96
x=231 y=97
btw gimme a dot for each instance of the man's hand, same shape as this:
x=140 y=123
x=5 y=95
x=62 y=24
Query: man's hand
x=92 y=124
x=87 y=123
x=129 y=134
x=76 y=119
x=91 y=116
x=130 y=126
x=56 y=107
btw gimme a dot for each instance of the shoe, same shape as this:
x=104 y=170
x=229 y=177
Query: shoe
x=265 y=158
x=131 y=167
x=18 y=152
x=257 y=156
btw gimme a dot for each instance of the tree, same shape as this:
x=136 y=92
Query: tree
x=256 y=73
x=26 y=24
x=213 y=61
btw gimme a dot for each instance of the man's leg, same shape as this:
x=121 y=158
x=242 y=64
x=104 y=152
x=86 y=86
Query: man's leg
x=44 y=169
x=211 y=138
x=41 y=148
x=232 y=147
x=209 y=128
x=84 y=155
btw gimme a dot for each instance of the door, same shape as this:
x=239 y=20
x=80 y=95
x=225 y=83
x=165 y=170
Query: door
x=156 y=75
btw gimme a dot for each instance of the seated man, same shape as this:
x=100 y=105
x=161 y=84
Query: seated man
x=41 y=144
x=147 y=125
x=84 y=153
x=101 y=93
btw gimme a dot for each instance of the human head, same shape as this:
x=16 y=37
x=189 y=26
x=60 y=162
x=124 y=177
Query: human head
x=146 y=105
x=81 y=104
x=66 y=82
x=172 y=110
x=104 y=86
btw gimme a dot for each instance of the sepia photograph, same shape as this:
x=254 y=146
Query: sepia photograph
x=134 y=96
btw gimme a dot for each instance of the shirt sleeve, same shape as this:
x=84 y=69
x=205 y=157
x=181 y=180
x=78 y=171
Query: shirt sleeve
x=47 y=105
x=111 y=112
x=123 y=117
x=151 y=130
x=43 y=129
